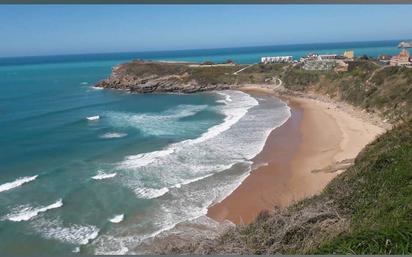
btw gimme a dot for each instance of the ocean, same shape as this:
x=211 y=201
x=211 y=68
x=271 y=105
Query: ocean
x=149 y=162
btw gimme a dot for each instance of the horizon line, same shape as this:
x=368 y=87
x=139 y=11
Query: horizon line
x=198 y=49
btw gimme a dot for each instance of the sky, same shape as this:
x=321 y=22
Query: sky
x=27 y=30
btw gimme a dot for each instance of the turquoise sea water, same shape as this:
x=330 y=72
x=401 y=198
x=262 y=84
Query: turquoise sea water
x=69 y=184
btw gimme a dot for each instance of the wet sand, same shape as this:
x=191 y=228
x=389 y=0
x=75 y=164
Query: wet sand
x=317 y=136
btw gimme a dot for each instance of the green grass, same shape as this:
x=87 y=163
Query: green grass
x=395 y=241
x=377 y=194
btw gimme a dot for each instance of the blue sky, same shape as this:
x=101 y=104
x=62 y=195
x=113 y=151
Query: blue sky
x=65 y=29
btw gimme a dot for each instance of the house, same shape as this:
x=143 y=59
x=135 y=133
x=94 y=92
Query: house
x=402 y=59
x=349 y=54
x=323 y=57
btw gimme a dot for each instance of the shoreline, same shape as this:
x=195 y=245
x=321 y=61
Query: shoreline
x=300 y=160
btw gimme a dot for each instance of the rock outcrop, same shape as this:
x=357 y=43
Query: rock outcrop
x=152 y=77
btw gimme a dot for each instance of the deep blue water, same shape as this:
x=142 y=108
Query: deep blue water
x=148 y=163
x=240 y=55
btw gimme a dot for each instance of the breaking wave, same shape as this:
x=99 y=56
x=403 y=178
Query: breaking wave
x=155 y=124
x=150 y=193
x=117 y=219
x=113 y=135
x=25 y=212
x=101 y=175
x=72 y=233
x=18 y=182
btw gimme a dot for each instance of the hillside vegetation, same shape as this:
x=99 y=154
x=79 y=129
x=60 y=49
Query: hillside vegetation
x=367 y=85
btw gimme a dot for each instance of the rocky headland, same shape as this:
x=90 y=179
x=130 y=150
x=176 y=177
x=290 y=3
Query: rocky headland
x=152 y=77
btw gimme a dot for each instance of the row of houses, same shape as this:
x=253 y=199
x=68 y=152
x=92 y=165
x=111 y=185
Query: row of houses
x=315 y=61
x=328 y=61
x=342 y=62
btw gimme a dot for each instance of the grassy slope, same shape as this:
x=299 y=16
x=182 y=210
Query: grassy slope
x=387 y=90
x=376 y=193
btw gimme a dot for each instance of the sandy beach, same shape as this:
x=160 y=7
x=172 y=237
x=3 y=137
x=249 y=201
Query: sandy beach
x=300 y=158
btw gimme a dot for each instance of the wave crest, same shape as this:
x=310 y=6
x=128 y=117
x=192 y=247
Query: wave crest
x=157 y=124
x=24 y=213
x=101 y=175
x=150 y=193
x=18 y=182
x=73 y=234
x=117 y=219
x=113 y=135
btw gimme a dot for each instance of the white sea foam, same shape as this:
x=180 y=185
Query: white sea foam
x=18 y=182
x=188 y=181
x=143 y=159
x=25 y=212
x=72 y=233
x=232 y=116
x=163 y=123
x=101 y=175
x=150 y=193
x=76 y=250
x=93 y=118
x=226 y=96
x=117 y=219
x=84 y=83
x=113 y=135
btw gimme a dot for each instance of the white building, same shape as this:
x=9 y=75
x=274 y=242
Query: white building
x=276 y=59
x=323 y=57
